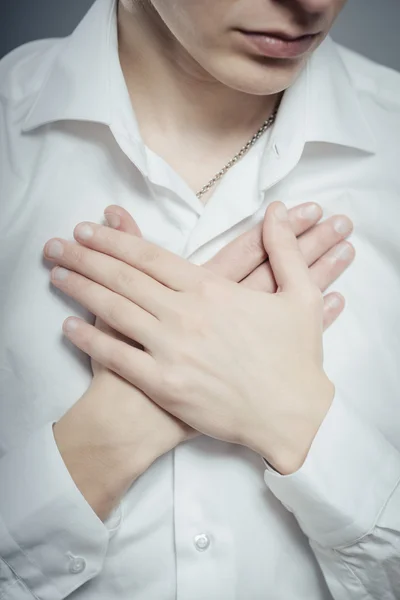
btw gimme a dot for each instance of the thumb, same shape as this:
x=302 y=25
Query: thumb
x=118 y=218
x=287 y=263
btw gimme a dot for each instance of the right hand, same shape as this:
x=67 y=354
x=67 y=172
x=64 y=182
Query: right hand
x=115 y=432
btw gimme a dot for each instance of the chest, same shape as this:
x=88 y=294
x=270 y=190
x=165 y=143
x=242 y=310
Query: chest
x=41 y=375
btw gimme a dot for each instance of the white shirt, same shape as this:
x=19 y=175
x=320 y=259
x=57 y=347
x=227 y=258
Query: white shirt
x=207 y=520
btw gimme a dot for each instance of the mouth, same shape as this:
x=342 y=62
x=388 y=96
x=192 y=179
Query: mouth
x=274 y=44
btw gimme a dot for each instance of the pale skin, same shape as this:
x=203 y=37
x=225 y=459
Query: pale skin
x=114 y=432
x=214 y=98
x=215 y=94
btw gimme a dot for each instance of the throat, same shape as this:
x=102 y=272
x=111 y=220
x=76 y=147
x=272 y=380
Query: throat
x=203 y=165
x=195 y=123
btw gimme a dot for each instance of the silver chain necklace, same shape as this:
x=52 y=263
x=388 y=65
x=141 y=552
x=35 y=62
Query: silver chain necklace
x=266 y=125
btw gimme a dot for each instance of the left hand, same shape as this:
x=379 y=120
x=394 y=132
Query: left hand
x=236 y=364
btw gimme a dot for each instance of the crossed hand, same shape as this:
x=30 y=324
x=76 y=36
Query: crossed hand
x=231 y=349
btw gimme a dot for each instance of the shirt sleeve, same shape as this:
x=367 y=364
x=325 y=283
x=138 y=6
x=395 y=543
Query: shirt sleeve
x=346 y=499
x=51 y=541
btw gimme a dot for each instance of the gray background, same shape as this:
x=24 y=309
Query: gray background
x=371 y=27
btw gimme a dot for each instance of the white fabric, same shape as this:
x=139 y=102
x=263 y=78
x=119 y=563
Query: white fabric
x=70 y=146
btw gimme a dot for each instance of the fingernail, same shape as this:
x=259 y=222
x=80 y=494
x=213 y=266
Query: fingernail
x=54 y=249
x=71 y=324
x=342 y=226
x=342 y=251
x=312 y=211
x=333 y=302
x=113 y=220
x=281 y=212
x=60 y=274
x=84 y=231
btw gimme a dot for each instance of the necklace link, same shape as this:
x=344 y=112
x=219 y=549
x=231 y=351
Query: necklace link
x=266 y=125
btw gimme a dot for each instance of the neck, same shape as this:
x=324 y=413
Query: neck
x=191 y=102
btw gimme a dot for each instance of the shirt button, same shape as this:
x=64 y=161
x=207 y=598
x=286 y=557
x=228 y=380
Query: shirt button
x=202 y=542
x=77 y=565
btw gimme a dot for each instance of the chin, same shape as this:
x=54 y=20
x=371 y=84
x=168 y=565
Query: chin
x=259 y=78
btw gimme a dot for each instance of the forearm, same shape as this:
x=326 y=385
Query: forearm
x=101 y=459
x=96 y=469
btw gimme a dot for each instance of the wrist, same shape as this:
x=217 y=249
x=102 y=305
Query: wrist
x=138 y=428
x=122 y=414
x=285 y=445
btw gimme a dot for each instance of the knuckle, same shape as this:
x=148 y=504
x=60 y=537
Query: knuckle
x=124 y=278
x=192 y=323
x=149 y=255
x=173 y=382
x=254 y=248
x=76 y=254
x=111 y=239
x=207 y=288
x=111 y=313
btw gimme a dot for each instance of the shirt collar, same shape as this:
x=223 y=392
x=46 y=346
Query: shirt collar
x=321 y=106
x=77 y=86
x=334 y=111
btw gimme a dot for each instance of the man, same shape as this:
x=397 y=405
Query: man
x=212 y=454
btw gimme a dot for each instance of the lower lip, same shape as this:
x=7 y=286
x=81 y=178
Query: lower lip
x=273 y=47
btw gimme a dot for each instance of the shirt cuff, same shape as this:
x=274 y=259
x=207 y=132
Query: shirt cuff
x=50 y=537
x=345 y=482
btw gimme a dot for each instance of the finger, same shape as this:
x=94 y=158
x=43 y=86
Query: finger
x=119 y=218
x=261 y=280
x=99 y=324
x=317 y=241
x=113 y=274
x=243 y=255
x=162 y=265
x=117 y=312
x=313 y=244
x=133 y=365
x=287 y=263
x=330 y=266
x=334 y=304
